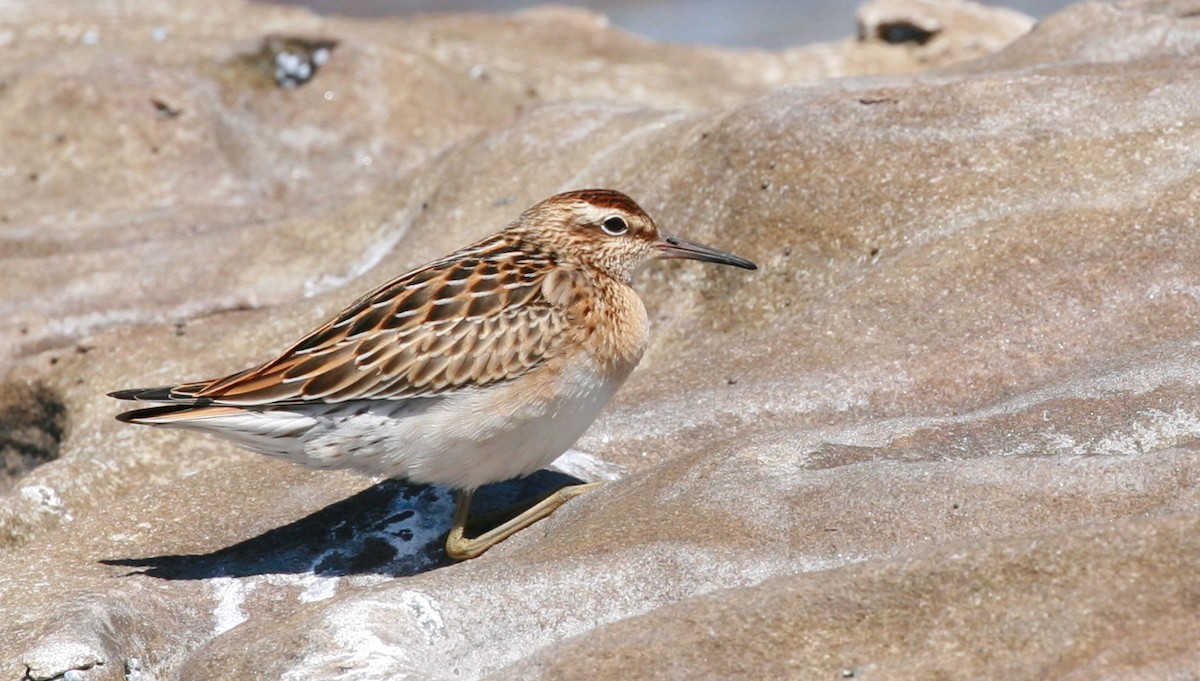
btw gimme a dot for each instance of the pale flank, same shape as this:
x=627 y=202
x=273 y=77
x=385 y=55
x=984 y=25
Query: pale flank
x=479 y=367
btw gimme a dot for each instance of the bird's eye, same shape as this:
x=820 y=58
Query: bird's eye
x=614 y=226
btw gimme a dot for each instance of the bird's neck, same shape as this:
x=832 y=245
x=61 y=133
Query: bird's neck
x=607 y=315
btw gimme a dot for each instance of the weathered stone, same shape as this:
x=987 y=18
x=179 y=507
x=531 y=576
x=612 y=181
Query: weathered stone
x=154 y=207
x=948 y=429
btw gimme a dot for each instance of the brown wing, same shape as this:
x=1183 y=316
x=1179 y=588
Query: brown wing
x=472 y=319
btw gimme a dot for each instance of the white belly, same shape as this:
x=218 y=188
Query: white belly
x=464 y=440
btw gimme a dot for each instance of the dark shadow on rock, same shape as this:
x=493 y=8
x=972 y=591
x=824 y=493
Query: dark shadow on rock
x=394 y=528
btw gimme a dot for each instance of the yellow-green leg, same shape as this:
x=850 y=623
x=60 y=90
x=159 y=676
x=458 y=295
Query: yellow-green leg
x=460 y=547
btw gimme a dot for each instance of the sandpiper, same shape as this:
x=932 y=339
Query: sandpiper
x=479 y=367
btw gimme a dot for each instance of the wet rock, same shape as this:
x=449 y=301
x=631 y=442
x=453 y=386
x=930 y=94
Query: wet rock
x=940 y=31
x=31 y=428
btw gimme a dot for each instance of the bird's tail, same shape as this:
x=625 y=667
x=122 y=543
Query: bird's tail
x=171 y=414
x=159 y=394
x=179 y=407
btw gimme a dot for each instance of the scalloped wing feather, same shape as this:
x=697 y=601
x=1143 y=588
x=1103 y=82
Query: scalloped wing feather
x=477 y=317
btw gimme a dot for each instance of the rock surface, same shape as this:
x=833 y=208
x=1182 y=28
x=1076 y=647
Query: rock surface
x=949 y=429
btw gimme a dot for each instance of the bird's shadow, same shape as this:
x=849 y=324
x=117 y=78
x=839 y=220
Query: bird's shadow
x=394 y=528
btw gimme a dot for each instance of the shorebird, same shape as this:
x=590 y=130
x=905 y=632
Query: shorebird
x=482 y=366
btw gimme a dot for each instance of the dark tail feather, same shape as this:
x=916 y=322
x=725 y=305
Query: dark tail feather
x=141 y=415
x=158 y=415
x=160 y=394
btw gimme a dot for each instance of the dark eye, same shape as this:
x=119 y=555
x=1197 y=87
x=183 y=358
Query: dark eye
x=615 y=225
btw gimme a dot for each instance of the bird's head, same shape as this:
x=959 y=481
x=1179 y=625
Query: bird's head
x=607 y=230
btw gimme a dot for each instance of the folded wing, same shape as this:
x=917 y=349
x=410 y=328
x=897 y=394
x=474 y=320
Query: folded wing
x=475 y=318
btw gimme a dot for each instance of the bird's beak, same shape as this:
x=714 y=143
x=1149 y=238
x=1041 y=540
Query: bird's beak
x=673 y=246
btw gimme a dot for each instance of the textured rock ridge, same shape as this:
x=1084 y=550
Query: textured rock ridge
x=948 y=429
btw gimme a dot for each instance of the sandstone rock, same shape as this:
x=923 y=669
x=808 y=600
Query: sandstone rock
x=949 y=428
x=191 y=158
x=1066 y=604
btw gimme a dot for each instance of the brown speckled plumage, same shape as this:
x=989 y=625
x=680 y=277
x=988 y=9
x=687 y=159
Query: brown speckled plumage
x=477 y=367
